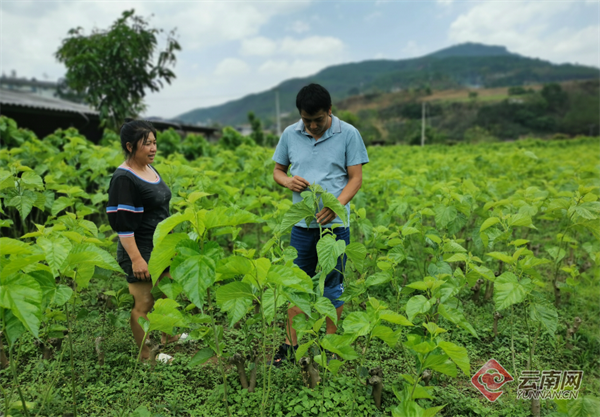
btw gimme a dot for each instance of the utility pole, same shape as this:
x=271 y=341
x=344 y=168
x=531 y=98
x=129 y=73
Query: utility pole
x=277 y=114
x=423 y=123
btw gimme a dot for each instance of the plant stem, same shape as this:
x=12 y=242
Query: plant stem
x=62 y=351
x=133 y=374
x=512 y=340
x=273 y=343
x=264 y=349
x=220 y=360
x=73 y=385
x=362 y=358
x=16 y=381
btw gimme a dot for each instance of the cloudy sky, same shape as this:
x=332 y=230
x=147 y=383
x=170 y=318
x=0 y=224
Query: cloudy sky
x=234 y=48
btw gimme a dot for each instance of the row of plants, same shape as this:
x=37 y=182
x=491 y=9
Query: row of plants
x=510 y=229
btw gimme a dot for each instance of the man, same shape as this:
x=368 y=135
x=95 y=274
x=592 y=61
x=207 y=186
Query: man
x=324 y=150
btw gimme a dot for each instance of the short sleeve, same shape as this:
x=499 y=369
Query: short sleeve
x=125 y=209
x=356 y=152
x=281 y=155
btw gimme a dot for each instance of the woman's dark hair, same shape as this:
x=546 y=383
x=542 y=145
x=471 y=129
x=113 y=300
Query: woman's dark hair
x=132 y=131
x=312 y=98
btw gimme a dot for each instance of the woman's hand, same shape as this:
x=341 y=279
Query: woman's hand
x=140 y=269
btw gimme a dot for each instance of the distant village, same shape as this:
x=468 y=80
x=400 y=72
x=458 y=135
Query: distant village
x=42 y=107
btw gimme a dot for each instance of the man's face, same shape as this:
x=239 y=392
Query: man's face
x=316 y=124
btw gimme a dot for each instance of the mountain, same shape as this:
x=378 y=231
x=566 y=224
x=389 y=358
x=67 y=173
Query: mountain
x=469 y=65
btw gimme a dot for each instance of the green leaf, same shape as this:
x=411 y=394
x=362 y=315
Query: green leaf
x=453 y=246
x=584 y=407
x=302 y=300
x=32 y=179
x=458 y=354
x=23 y=203
x=444 y=215
x=232 y=291
x=489 y=223
x=330 y=201
x=340 y=345
x=86 y=255
x=19 y=264
x=196 y=274
x=60 y=204
x=22 y=294
x=432 y=411
x=56 y=251
x=417 y=305
x=393 y=317
x=357 y=252
x=10 y=246
x=291 y=277
x=62 y=295
x=520 y=219
x=378 y=279
x=455 y=316
x=440 y=363
x=160 y=259
x=236 y=309
x=302 y=349
x=326 y=308
x=545 y=314
x=170 y=288
x=357 y=323
x=201 y=357
x=457 y=257
x=501 y=257
x=295 y=214
x=13 y=326
x=508 y=290
x=235 y=266
x=165 y=316
x=328 y=252
x=166 y=226
x=386 y=334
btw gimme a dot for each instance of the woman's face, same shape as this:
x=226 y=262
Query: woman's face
x=146 y=150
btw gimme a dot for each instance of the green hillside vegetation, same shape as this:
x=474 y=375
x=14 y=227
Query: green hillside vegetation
x=561 y=110
x=460 y=66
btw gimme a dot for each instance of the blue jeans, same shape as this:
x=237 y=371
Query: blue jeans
x=305 y=242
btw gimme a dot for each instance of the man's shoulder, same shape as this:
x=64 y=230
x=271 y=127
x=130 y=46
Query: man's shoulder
x=291 y=129
x=348 y=130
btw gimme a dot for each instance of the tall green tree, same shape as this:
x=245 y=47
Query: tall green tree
x=114 y=68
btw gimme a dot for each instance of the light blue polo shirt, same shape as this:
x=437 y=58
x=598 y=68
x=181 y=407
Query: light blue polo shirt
x=322 y=161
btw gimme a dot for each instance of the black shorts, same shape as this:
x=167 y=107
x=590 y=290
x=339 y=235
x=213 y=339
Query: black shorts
x=126 y=264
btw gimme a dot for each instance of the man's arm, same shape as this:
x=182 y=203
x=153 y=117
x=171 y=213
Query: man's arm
x=354 y=183
x=294 y=183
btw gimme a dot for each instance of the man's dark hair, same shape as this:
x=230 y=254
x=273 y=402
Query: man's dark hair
x=312 y=98
x=132 y=131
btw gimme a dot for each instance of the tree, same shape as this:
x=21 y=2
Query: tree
x=114 y=68
x=257 y=134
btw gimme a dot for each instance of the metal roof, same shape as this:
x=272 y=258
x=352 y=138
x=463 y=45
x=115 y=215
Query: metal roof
x=19 y=98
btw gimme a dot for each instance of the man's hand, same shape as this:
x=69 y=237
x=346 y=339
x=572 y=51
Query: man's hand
x=140 y=269
x=325 y=216
x=297 y=184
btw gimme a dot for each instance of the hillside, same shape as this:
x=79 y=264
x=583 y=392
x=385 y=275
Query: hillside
x=465 y=65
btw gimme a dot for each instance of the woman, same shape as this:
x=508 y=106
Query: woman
x=138 y=200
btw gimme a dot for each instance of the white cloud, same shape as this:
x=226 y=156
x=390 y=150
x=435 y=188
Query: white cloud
x=231 y=67
x=299 y=26
x=373 y=16
x=259 y=45
x=445 y=2
x=530 y=28
x=412 y=49
x=313 y=45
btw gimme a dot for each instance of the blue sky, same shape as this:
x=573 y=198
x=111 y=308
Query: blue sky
x=234 y=48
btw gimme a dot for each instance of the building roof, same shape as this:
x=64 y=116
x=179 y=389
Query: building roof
x=23 y=99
